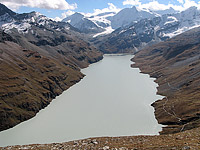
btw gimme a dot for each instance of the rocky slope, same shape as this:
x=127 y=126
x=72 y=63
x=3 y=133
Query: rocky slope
x=39 y=59
x=176 y=65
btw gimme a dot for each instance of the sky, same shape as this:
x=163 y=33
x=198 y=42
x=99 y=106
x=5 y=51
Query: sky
x=59 y=9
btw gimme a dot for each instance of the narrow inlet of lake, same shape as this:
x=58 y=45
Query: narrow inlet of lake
x=113 y=99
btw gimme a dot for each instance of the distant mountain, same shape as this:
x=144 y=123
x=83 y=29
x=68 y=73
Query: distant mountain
x=148 y=31
x=166 y=11
x=83 y=24
x=105 y=23
x=91 y=24
x=129 y=15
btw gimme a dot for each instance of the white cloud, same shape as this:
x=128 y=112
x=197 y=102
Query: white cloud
x=190 y=3
x=155 y=5
x=111 y=8
x=46 y=4
x=132 y=2
x=64 y=15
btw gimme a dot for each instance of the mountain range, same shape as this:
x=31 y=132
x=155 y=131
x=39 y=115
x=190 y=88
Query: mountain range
x=148 y=31
x=110 y=21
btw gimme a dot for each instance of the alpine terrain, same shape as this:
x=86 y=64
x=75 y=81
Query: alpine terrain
x=40 y=58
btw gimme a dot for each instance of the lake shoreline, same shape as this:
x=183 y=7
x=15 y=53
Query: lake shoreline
x=185 y=140
x=56 y=88
x=128 y=63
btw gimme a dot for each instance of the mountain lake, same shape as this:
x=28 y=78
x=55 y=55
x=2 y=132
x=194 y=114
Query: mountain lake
x=113 y=99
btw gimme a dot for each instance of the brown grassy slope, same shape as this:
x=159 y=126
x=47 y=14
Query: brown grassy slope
x=179 y=141
x=31 y=78
x=176 y=66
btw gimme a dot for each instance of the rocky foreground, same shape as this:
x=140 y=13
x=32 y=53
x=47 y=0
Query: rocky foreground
x=187 y=140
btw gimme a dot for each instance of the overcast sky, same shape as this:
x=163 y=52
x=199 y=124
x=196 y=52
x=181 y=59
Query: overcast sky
x=63 y=8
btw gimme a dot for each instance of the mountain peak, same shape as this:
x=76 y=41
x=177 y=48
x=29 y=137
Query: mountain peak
x=192 y=8
x=77 y=14
x=134 y=8
x=4 y=10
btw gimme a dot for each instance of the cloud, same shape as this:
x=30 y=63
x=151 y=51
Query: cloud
x=111 y=8
x=64 y=15
x=132 y=2
x=67 y=13
x=155 y=5
x=46 y=4
x=190 y=3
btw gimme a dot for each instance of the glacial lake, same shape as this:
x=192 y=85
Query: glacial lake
x=113 y=99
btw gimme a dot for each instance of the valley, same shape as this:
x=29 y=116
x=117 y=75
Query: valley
x=40 y=58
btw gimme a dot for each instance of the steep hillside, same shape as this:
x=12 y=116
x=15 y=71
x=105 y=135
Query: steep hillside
x=31 y=76
x=176 y=66
x=39 y=59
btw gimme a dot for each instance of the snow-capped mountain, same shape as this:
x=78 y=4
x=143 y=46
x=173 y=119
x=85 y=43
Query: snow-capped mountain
x=149 y=31
x=83 y=24
x=105 y=23
x=91 y=24
x=23 y=23
x=103 y=20
x=6 y=15
x=166 y=11
x=182 y=22
x=129 y=15
x=137 y=28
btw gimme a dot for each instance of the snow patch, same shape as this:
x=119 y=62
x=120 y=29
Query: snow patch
x=122 y=31
x=179 y=31
x=22 y=27
x=108 y=31
x=171 y=19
